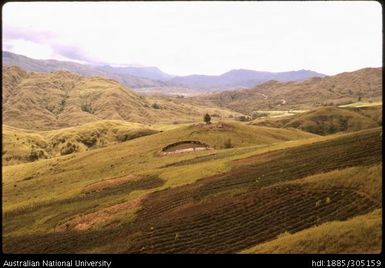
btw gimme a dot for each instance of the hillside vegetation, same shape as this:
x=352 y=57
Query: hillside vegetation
x=20 y=145
x=361 y=234
x=344 y=88
x=195 y=202
x=328 y=120
x=89 y=166
x=44 y=101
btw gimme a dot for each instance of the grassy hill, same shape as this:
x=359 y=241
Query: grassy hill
x=91 y=167
x=344 y=88
x=44 y=101
x=219 y=200
x=328 y=120
x=20 y=145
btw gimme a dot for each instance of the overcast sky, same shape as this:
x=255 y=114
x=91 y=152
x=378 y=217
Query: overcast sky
x=200 y=37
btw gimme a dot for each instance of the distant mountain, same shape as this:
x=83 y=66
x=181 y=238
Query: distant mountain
x=152 y=73
x=53 y=100
x=364 y=84
x=239 y=78
x=149 y=77
x=122 y=75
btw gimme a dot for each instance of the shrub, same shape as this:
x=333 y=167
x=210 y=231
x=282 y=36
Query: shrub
x=256 y=115
x=244 y=118
x=207 y=118
x=68 y=149
x=227 y=144
x=155 y=106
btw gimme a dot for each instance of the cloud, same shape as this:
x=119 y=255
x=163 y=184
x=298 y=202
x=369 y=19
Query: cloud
x=11 y=32
x=16 y=37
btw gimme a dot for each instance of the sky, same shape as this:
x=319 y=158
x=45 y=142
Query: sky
x=210 y=38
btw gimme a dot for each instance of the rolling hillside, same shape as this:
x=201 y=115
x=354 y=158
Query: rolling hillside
x=89 y=166
x=44 y=101
x=20 y=146
x=328 y=120
x=220 y=200
x=364 y=84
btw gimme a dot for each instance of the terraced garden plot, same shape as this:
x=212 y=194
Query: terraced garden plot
x=224 y=213
x=231 y=224
x=363 y=148
x=64 y=210
x=278 y=166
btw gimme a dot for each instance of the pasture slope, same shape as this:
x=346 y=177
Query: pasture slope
x=272 y=184
x=22 y=145
x=328 y=120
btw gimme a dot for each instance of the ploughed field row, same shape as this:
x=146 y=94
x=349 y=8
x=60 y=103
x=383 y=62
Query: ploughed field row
x=209 y=216
x=270 y=168
x=231 y=211
x=229 y=224
x=75 y=205
x=233 y=223
x=298 y=162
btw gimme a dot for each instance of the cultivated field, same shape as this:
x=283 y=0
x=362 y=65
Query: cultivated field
x=90 y=166
x=220 y=200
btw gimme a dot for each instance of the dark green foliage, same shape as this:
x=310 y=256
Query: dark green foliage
x=36 y=154
x=256 y=115
x=69 y=148
x=129 y=135
x=86 y=107
x=244 y=118
x=227 y=144
x=207 y=118
x=155 y=106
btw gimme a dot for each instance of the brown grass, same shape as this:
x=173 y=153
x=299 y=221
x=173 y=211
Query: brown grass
x=87 y=221
x=109 y=183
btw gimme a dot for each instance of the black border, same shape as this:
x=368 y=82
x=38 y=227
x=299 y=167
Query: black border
x=181 y=260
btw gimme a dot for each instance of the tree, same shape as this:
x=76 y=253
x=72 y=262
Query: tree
x=207 y=118
x=227 y=144
x=155 y=106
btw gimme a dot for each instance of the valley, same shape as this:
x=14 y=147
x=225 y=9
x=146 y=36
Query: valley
x=92 y=166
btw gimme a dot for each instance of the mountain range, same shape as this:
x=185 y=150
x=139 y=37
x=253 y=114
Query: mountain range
x=52 y=100
x=361 y=85
x=142 y=77
x=240 y=78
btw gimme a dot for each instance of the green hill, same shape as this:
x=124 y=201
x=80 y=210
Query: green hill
x=328 y=120
x=44 y=101
x=20 y=145
x=219 y=200
x=364 y=84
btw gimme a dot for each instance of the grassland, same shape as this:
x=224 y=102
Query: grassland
x=195 y=202
x=47 y=101
x=21 y=145
x=362 y=104
x=328 y=120
x=86 y=168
